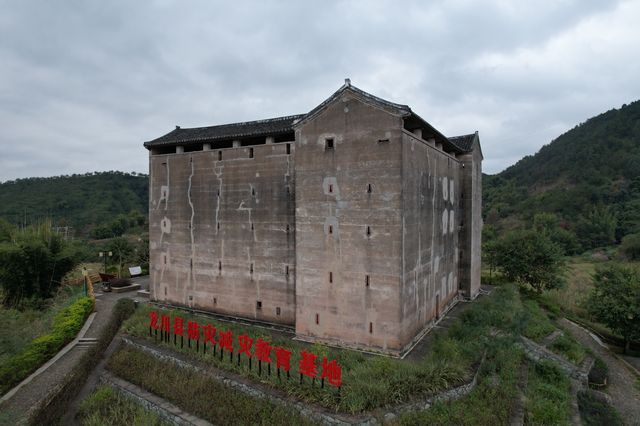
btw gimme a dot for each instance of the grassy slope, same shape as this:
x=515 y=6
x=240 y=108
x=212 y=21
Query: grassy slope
x=105 y=407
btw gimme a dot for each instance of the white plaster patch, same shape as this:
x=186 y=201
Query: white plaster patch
x=450 y=282
x=443 y=285
x=452 y=191
x=257 y=174
x=445 y=222
x=452 y=221
x=330 y=186
x=445 y=188
x=436 y=265
x=165 y=225
x=164 y=193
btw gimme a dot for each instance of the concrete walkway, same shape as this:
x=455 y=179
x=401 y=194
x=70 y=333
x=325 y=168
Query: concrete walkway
x=624 y=394
x=40 y=388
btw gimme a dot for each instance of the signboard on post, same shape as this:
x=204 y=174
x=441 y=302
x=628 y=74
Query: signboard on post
x=135 y=270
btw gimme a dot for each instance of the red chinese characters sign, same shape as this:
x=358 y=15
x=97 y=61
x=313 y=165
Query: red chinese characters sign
x=261 y=349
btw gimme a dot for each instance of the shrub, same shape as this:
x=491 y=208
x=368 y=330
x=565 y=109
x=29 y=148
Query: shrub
x=630 y=247
x=599 y=373
x=66 y=325
x=595 y=411
x=569 y=348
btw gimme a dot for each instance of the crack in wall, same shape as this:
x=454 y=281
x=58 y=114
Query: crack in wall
x=191 y=228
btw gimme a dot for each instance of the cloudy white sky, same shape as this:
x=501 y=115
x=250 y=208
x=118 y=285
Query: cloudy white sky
x=84 y=83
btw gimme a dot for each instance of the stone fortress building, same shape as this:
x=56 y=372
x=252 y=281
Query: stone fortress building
x=357 y=223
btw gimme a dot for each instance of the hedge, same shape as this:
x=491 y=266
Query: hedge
x=66 y=324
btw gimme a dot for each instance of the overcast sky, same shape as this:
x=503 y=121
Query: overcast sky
x=84 y=83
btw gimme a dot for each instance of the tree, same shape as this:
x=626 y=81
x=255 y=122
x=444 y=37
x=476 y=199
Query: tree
x=32 y=264
x=122 y=251
x=597 y=228
x=531 y=259
x=630 y=246
x=615 y=300
x=549 y=223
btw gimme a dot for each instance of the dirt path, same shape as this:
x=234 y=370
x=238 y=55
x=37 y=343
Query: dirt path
x=625 y=395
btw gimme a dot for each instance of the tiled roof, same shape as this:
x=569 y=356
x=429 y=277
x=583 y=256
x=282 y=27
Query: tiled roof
x=272 y=126
x=464 y=142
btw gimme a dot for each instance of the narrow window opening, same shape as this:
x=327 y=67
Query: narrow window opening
x=215 y=300
x=252 y=228
x=191 y=159
x=164 y=164
x=165 y=291
x=331 y=229
x=218 y=192
x=288 y=190
x=287 y=229
x=370 y=328
x=383 y=140
x=328 y=143
x=253 y=192
x=218 y=225
x=219 y=155
x=330 y=189
x=366 y=280
x=317 y=319
x=286 y=270
x=219 y=265
x=190 y=297
x=250 y=152
x=278 y=311
x=330 y=277
x=258 y=304
x=251 y=268
x=368 y=231
x=288 y=149
x=191 y=263
x=369 y=189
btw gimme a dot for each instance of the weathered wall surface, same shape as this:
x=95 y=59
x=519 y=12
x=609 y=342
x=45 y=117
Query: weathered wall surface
x=222 y=233
x=334 y=209
x=431 y=188
x=471 y=231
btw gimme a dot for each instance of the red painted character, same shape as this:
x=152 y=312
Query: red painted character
x=263 y=350
x=193 y=330
x=178 y=326
x=225 y=340
x=209 y=334
x=166 y=323
x=307 y=365
x=332 y=371
x=245 y=345
x=283 y=358
x=153 y=320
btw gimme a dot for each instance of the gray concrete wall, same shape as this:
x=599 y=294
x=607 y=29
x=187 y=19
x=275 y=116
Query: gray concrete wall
x=431 y=187
x=332 y=194
x=252 y=200
x=471 y=231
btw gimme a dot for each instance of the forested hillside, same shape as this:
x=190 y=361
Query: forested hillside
x=589 y=178
x=84 y=202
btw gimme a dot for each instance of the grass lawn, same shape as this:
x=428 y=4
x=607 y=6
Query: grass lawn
x=19 y=327
x=548 y=396
x=106 y=407
x=197 y=394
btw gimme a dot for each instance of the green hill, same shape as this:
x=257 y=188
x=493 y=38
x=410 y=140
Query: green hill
x=81 y=201
x=589 y=177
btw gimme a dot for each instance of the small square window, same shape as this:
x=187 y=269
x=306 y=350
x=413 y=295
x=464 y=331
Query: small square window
x=278 y=311
x=258 y=304
x=250 y=152
x=328 y=143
